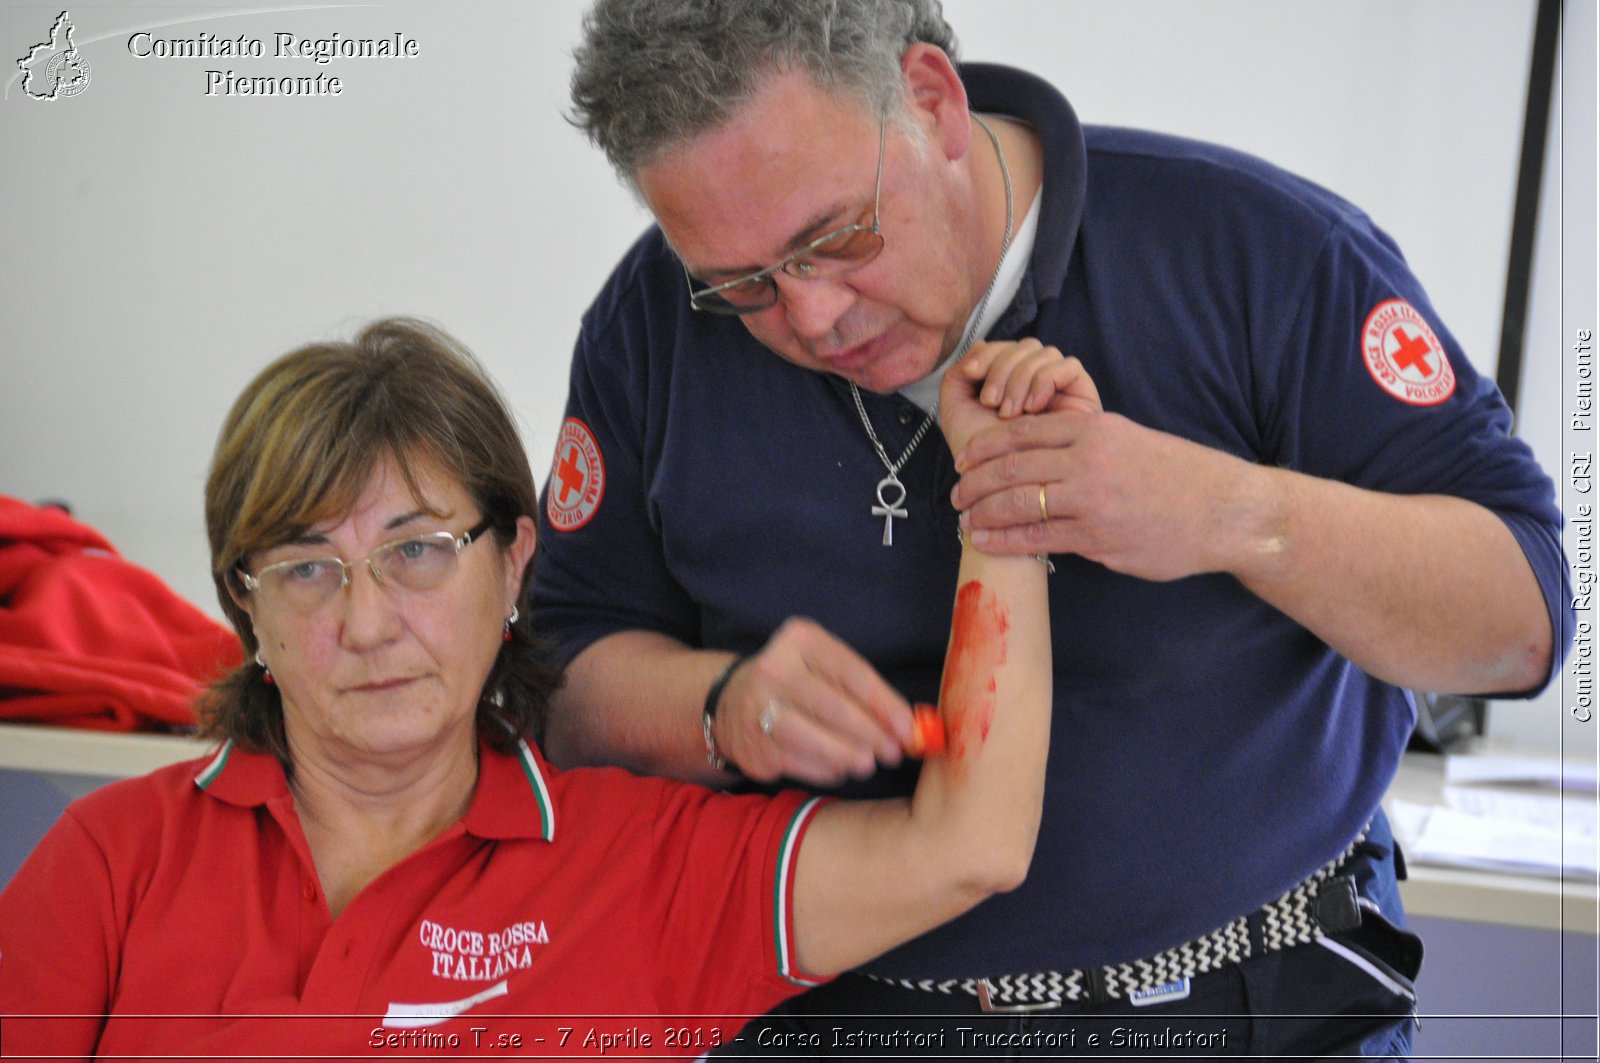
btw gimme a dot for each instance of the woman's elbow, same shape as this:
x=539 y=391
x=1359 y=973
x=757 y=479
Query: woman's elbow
x=1001 y=866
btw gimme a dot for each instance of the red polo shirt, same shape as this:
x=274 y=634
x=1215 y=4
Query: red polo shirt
x=180 y=914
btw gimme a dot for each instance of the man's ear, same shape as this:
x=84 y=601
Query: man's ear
x=937 y=98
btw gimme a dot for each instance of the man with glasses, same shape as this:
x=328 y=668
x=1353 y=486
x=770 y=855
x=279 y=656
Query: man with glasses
x=830 y=254
x=1299 y=500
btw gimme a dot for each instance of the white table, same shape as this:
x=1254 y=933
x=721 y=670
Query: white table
x=1504 y=898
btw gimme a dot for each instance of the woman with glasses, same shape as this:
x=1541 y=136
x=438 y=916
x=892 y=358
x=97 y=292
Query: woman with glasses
x=377 y=859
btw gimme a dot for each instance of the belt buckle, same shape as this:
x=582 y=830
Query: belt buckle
x=987 y=1004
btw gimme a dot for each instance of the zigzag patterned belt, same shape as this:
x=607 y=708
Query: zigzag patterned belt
x=1323 y=902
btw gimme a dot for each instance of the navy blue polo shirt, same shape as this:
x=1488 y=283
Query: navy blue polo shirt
x=1207 y=752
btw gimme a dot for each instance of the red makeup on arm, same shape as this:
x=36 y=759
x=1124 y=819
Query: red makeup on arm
x=977 y=650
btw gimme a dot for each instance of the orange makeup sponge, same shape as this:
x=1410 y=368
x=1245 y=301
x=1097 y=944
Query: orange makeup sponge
x=927 y=732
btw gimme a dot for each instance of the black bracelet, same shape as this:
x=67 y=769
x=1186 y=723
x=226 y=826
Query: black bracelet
x=708 y=715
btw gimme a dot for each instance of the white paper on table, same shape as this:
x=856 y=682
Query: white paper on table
x=1504 y=841
x=1576 y=815
x=1574 y=774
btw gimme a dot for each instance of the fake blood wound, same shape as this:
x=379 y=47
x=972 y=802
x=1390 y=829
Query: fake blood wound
x=977 y=650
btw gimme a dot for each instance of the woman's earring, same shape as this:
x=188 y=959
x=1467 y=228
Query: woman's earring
x=266 y=673
x=505 y=636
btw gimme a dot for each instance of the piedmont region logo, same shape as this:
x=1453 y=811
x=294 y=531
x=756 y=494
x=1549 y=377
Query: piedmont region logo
x=55 y=68
x=1404 y=356
x=577 y=478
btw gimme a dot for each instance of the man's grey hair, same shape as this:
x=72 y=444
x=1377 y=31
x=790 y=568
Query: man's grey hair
x=651 y=74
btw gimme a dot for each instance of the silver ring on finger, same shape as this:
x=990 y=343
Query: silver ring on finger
x=769 y=716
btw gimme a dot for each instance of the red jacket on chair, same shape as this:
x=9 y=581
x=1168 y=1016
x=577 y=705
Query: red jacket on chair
x=88 y=639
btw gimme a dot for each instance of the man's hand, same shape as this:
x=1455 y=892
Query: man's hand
x=1450 y=603
x=1137 y=500
x=1045 y=470
x=810 y=708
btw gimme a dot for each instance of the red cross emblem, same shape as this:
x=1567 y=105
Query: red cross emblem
x=1404 y=355
x=577 y=478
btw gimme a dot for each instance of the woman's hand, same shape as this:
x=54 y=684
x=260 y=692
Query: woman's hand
x=996 y=382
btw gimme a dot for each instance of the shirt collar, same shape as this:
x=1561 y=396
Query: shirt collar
x=513 y=798
x=240 y=777
x=1007 y=282
x=1031 y=99
x=1042 y=248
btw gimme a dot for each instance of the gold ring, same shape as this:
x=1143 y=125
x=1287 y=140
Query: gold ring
x=1044 y=508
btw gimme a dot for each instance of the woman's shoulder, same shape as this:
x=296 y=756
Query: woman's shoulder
x=130 y=806
x=616 y=800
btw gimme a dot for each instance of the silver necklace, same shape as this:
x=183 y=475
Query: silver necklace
x=891 y=492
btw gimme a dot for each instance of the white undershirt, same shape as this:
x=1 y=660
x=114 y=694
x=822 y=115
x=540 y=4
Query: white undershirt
x=1007 y=280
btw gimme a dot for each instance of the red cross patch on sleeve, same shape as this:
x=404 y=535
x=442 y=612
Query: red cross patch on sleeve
x=1404 y=355
x=577 y=478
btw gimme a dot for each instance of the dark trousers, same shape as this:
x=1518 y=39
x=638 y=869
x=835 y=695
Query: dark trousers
x=1350 y=993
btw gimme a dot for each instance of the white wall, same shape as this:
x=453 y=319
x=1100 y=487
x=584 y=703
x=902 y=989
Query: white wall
x=1564 y=300
x=163 y=245
x=1536 y=723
